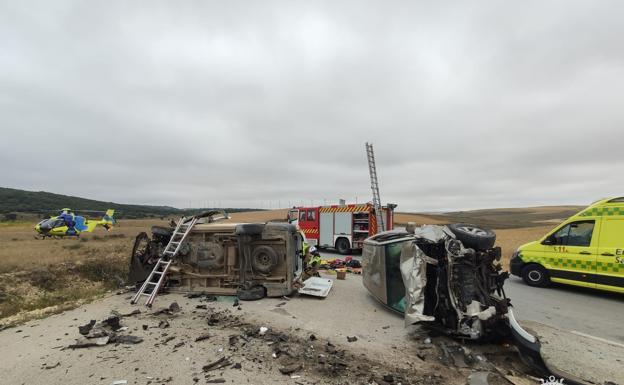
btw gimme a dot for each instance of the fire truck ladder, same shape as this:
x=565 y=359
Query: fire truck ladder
x=372 y=169
x=157 y=276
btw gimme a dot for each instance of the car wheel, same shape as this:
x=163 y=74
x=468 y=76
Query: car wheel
x=263 y=259
x=342 y=245
x=474 y=237
x=535 y=275
x=251 y=294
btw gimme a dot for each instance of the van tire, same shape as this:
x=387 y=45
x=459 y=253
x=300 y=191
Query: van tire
x=342 y=245
x=474 y=237
x=535 y=275
x=253 y=293
x=249 y=229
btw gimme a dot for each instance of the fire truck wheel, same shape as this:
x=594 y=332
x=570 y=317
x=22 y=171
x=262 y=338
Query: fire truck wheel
x=263 y=259
x=251 y=294
x=342 y=245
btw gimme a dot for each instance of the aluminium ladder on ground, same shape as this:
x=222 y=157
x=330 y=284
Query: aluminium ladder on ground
x=372 y=169
x=157 y=276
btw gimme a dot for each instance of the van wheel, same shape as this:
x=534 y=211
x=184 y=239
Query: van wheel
x=342 y=245
x=535 y=275
x=253 y=293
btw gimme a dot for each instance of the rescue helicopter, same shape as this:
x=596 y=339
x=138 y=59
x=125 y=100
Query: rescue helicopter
x=68 y=224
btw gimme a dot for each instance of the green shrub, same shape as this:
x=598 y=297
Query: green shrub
x=44 y=279
x=110 y=271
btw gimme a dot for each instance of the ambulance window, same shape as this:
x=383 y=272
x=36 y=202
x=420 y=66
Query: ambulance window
x=311 y=215
x=574 y=234
x=302 y=215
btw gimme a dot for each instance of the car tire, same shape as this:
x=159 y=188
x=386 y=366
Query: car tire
x=342 y=245
x=263 y=259
x=472 y=236
x=253 y=293
x=535 y=275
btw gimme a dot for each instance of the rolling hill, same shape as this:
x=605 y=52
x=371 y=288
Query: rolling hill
x=46 y=203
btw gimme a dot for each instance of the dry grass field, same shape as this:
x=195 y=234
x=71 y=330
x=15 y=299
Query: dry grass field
x=511 y=218
x=55 y=274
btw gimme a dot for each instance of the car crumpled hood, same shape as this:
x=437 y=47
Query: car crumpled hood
x=414 y=271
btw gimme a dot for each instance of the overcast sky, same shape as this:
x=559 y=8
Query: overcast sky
x=260 y=104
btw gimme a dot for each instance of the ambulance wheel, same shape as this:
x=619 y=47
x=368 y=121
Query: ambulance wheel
x=342 y=245
x=535 y=275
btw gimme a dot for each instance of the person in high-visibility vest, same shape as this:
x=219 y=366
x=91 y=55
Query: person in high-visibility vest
x=311 y=262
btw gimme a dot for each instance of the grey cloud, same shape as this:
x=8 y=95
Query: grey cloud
x=469 y=105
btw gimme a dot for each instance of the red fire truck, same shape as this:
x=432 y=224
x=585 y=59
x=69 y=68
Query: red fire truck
x=343 y=227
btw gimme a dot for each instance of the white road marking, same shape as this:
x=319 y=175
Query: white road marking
x=597 y=338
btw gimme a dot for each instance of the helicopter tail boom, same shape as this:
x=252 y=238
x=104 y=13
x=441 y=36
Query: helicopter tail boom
x=107 y=220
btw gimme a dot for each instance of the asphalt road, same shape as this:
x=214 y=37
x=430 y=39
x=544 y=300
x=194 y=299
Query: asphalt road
x=578 y=310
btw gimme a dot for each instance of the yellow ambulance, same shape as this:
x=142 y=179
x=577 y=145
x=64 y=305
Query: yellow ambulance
x=586 y=250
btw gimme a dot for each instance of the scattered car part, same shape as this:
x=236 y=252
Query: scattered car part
x=316 y=287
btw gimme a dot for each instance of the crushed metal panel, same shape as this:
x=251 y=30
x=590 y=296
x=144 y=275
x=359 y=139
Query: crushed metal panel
x=414 y=272
x=316 y=287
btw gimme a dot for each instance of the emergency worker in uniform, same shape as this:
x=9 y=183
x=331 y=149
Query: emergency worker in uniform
x=68 y=217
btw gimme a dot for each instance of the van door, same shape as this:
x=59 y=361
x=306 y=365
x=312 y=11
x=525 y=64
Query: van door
x=572 y=252
x=610 y=262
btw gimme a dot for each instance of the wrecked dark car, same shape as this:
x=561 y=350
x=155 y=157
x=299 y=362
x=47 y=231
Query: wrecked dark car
x=221 y=257
x=448 y=278
x=434 y=277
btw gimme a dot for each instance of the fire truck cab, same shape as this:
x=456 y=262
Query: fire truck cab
x=343 y=227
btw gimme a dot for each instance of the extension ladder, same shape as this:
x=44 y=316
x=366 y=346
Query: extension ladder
x=372 y=169
x=157 y=276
